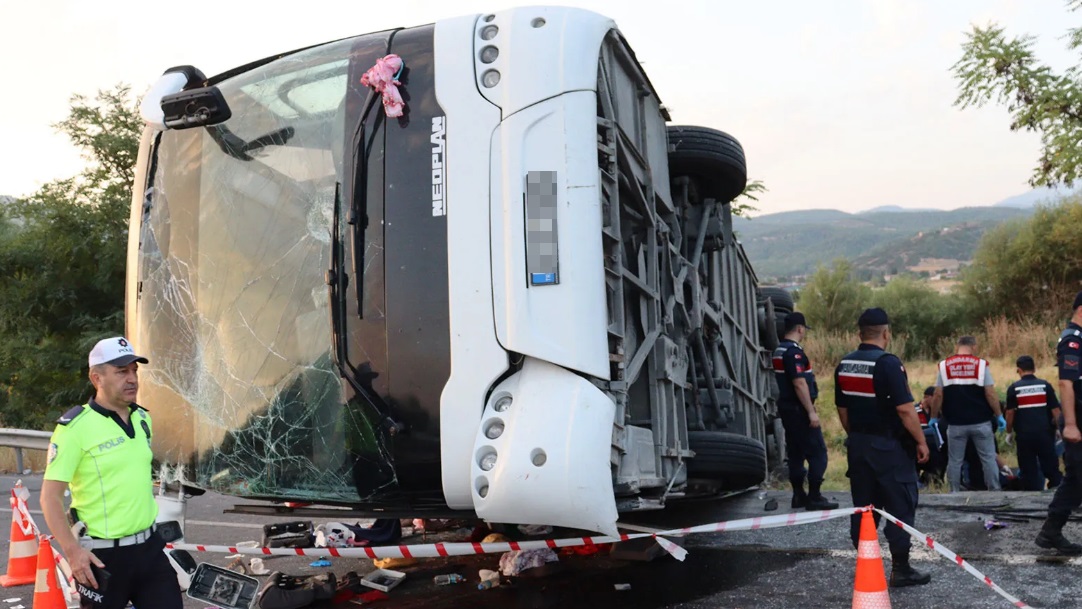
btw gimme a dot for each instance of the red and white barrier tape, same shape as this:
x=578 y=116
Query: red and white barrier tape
x=466 y=549
x=961 y=562
x=19 y=495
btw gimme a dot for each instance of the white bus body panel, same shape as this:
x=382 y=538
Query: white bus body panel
x=538 y=61
x=564 y=323
x=552 y=459
x=476 y=357
x=548 y=106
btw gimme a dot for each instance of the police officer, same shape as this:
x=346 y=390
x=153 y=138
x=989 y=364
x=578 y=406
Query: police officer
x=1032 y=408
x=101 y=451
x=966 y=397
x=1069 y=493
x=877 y=411
x=796 y=406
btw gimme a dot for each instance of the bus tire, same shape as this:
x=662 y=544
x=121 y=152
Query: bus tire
x=768 y=334
x=737 y=461
x=778 y=445
x=783 y=299
x=713 y=159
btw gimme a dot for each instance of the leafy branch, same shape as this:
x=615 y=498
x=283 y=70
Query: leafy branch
x=1001 y=70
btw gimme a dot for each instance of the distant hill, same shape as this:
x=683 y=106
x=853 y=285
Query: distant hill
x=1032 y=198
x=795 y=243
x=952 y=243
x=897 y=208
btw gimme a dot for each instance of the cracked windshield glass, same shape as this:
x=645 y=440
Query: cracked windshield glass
x=236 y=238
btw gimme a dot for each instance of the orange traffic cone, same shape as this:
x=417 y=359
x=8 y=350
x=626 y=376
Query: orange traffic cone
x=22 y=552
x=870 y=586
x=47 y=593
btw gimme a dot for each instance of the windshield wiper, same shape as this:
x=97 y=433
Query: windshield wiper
x=358 y=210
x=235 y=146
x=336 y=282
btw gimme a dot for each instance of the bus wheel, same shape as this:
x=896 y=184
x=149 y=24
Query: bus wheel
x=783 y=299
x=768 y=331
x=777 y=445
x=736 y=460
x=712 y=158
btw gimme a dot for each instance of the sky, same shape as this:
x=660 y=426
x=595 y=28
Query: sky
x=843 y=104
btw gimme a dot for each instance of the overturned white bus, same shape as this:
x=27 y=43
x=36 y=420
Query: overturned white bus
x=520 y=299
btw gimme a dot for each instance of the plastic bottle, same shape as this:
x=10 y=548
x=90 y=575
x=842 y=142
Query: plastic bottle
x=449 y=578
x=489 y=579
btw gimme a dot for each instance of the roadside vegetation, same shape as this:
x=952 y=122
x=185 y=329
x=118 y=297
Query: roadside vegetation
x=62 y=252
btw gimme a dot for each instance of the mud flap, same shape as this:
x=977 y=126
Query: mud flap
x=551 y=460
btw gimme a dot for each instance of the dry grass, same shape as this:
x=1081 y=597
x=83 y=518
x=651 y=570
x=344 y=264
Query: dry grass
x=32 y=459
x=1003 y=339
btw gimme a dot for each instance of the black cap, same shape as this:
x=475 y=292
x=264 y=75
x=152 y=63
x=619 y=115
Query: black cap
x=793 y=320
x=929 y=390
x=873 y=317
x=1025 y=362
x=1077 y=301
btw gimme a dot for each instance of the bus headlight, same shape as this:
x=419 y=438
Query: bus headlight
x=490 y=78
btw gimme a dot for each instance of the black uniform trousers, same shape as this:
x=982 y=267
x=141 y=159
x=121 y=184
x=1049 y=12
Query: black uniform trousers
x=1069 y=493
x=803 y=443
x=139 y=573
x=1037 y=459
x=882 y=473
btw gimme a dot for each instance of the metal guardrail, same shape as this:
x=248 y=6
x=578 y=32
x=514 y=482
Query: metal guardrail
x=24 y=438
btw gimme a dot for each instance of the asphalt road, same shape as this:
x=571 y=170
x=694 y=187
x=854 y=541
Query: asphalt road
x=802 y=566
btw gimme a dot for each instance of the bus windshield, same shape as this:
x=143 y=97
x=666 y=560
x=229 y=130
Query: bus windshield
x=233 y=305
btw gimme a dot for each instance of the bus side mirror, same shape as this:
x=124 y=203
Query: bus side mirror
x=195 y=108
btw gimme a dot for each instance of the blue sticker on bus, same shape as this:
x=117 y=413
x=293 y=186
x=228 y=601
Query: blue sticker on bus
x=543 y=278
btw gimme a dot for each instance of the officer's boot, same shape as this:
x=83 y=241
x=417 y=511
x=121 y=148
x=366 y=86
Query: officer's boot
x=902 y=574
x=800 y=498
x=816 y=500
x=1051 y=536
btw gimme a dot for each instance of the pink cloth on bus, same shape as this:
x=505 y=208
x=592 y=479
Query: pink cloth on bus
x=381 y=77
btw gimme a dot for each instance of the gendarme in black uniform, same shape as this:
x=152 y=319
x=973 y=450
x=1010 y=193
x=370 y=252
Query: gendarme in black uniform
x=1030 y=405
x=1069 y=493
x=870 y=384
x=803 y=442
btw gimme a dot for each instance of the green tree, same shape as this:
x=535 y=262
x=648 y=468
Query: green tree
x=7 y=224
x=921 y=314
x=1028 y=268
x=740 y=205
x=832 y=299
x=63 y=265
x=1002 y=70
